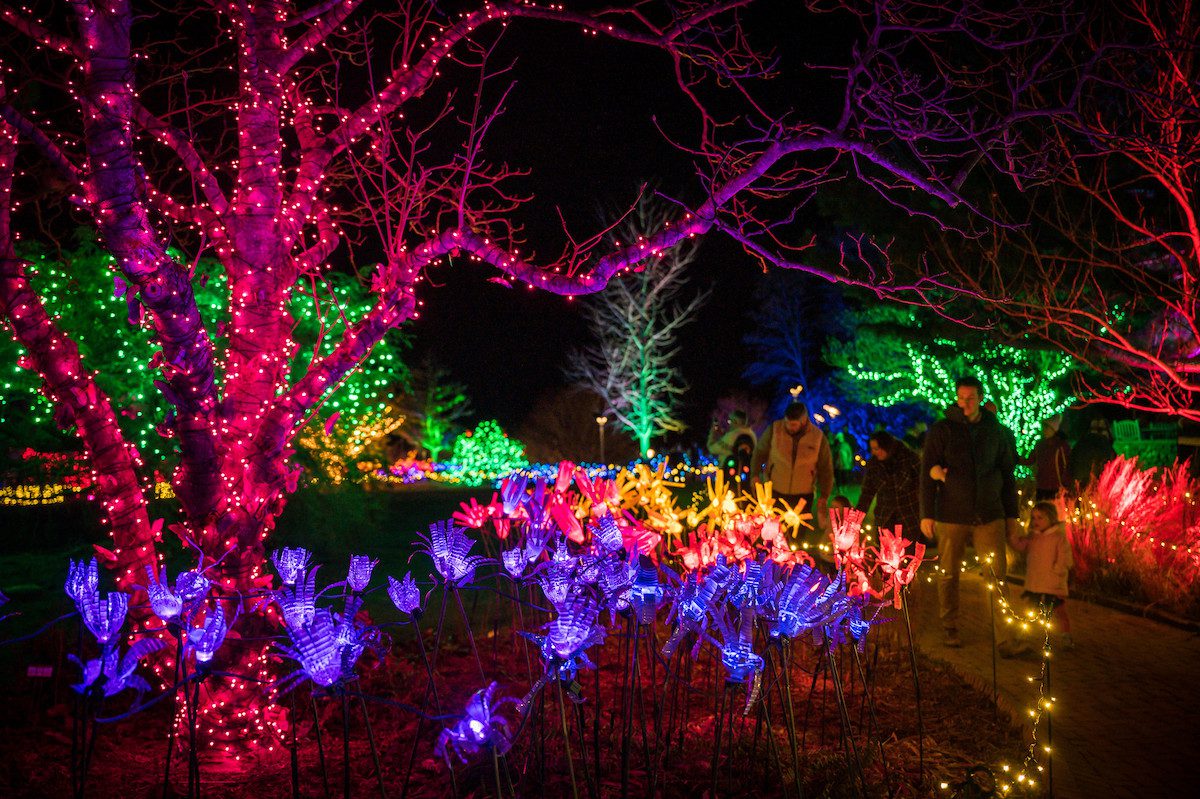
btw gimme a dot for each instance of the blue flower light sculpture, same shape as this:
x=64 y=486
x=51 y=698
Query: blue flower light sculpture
x=569 y=635
x=291 y=563
x=449 y=548
x=297 y=600
x=204 y=641
x=359 y=574
x=405 y=594
x=646 y=594
x=479 y=730
x=695 y=601
x=118 y=672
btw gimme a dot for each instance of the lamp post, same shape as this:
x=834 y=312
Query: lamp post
x=600 y=422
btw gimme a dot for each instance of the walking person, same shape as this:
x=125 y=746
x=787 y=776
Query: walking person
x=1050 y=459
x=794 y=455
x=1048 y=562
x=968 y=490
x=891 y=479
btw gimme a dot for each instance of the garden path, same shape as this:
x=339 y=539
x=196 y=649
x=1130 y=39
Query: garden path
x=1127 y=698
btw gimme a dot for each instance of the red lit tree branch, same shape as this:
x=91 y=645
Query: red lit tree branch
x=1103 y=258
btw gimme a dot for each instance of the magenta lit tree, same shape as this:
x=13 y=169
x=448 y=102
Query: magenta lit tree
x=278 y=138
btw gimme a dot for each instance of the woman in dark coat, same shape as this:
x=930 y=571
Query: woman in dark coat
x=892 y=479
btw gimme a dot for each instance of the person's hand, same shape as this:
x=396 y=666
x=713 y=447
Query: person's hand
x=938 y=473
x=927 y=528
x=1012 y=527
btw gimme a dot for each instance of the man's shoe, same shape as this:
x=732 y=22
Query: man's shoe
x=951 y=639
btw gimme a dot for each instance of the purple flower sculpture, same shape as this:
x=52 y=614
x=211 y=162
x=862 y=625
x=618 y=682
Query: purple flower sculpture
x=206 y=640
x=514 y=562
x=449 y=548
x=359 y=574
x=298 y=603
x=616 y=577
x=646 y=593
x=568 y=635
x=405 y=594
x=315 y=648
x=512 y=493
x=117 y=671
x=749 y=592
x=3 y=602
x=192 y=586
x=291 y=563
x=165 y=604
x=695 y=601
x=479 y=730
x=737 y=639
x=105 y=619
x=607 y=534
x=83 y=579
x=805 y=603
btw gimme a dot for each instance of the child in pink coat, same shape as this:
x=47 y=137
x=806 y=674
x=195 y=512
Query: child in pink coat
x=1047 y=563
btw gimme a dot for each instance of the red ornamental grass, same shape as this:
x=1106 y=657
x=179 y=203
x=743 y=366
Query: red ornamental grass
x=1136 y=532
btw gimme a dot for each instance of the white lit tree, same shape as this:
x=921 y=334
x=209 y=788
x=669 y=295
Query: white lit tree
x=635 y=323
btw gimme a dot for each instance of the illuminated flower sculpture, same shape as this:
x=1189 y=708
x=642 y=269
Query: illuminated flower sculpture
x=205 y=640
x=898 y=567
x=291 y=563
x=479 y=730
x=297 y=600
x=404 y=594
x=568 y=635
x=168 y=605
x=695 y=601
x=325 y=649
x=359 y=574
x=117 y=671
x=449 y=548
x=805 y=603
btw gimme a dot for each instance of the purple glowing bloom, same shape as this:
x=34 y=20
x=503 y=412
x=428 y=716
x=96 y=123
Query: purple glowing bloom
x=191 y=586
x=291 y=563
x=449 y=547
x=82 y=579
x=206 y=640
x=646 y=593
x=807 y=603
x=165 y=604
x=405 y=594
x=298 y=604
x=737 y=639
x=117 y=671
x=315 y=648
x=359 y=575
x=568 y=635
x=479 y=729
x=607 y=534
x=3 y=602
x=694 y=602
x=514 y=561
x=512 y=493
x=104 y=619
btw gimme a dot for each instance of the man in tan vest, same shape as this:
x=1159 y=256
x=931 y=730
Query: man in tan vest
x=793 y=454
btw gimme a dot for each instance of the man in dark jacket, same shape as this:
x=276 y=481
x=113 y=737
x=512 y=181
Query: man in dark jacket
x=968 y=489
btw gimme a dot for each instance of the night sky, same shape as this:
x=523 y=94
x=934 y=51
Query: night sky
x=583 y=118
